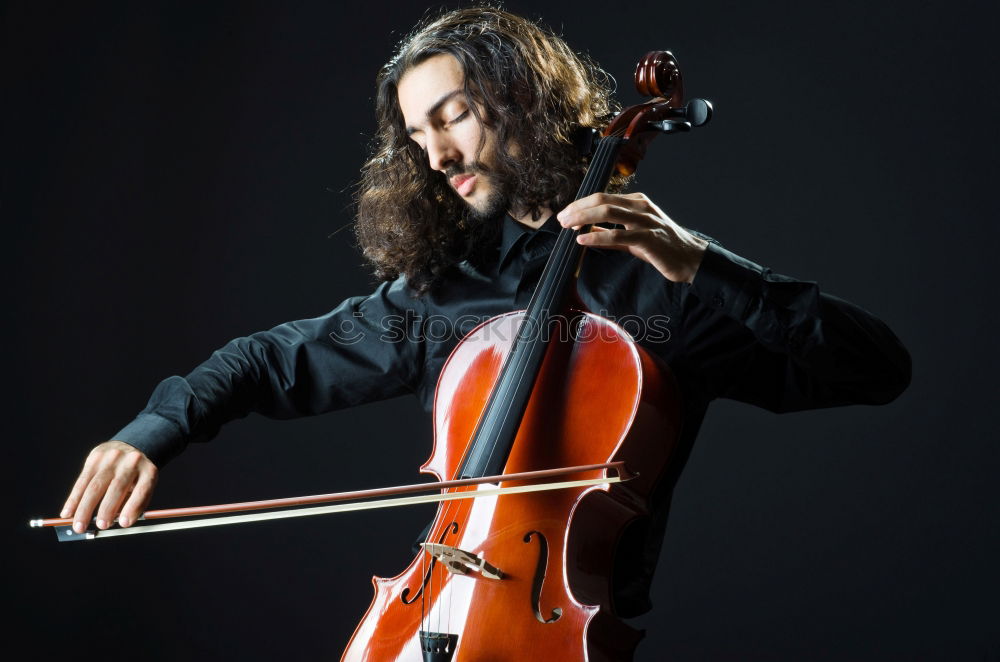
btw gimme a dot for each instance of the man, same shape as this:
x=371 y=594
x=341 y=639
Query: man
x=478 y=114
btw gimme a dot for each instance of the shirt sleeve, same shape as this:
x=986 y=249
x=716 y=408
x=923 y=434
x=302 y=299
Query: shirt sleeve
x=368 y=348
x=759 y=337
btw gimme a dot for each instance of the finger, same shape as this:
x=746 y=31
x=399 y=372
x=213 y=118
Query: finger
x=118 y=489
x=641 y=202
x=92 y=496
x=617 y=239
x=630 y=218
x=634 y=201
x=126 y=468
x=73 y=500
x=136 y=504
x=584 y=241
x=594 y=200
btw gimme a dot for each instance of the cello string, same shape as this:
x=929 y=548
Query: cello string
x=437 y=603
x=540 y=307
x=428 y=592
x=542 y=301
x=444 y=601
x=423 y=575
x=437 y=590
x=423 y=570
x=451 y=594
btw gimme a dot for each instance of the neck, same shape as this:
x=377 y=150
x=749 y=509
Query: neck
x=525 y=219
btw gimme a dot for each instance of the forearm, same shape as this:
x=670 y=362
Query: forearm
x=806 y=348
x=296 y=369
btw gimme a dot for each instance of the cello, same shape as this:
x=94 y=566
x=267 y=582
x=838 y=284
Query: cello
x=527 y=575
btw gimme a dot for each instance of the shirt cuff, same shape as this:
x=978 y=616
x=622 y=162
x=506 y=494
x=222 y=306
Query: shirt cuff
x=727 y=282
x=159 y=439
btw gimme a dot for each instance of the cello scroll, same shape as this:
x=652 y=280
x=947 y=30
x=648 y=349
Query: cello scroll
x=657 y=75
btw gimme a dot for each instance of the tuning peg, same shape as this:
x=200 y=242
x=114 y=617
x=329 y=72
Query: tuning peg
x=697 y=111
x=671 y=126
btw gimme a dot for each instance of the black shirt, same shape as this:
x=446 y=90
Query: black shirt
x=738 y=331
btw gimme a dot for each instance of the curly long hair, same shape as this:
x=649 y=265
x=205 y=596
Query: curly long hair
x=536 y=93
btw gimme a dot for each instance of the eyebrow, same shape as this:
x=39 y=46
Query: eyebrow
x=445 y=98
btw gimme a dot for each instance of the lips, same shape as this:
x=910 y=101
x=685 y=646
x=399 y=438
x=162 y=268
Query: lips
x=463 y=184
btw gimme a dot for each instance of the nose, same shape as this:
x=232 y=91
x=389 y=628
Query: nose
x=441 y=151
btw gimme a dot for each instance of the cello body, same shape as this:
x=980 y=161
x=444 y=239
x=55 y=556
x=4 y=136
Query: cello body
x=598 y=397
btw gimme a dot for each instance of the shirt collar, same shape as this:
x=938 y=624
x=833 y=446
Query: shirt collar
x=514 y=232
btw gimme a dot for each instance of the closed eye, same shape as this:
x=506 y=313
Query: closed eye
x=461 y=116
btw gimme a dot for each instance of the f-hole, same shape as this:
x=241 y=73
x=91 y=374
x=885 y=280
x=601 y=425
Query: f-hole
x=536 y=587
x=404 y=596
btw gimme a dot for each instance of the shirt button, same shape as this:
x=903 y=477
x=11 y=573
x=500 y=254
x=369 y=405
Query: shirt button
x=718 y=301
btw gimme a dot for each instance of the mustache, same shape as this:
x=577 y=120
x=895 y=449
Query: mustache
x=473 y=168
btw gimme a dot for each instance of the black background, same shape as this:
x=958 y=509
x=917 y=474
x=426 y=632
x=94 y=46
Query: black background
x=172 y=172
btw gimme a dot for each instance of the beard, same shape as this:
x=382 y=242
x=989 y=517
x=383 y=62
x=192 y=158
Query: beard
x=491 y=208
x=495 y=204
x=482 y=221
x=483 y=225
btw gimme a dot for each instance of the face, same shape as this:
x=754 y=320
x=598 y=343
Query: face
x=439 y=119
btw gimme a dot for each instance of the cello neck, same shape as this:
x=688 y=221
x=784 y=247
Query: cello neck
x=495 y=433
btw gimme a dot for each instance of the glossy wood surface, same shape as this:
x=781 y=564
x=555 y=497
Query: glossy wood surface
x=657 y=75
x=598 y=398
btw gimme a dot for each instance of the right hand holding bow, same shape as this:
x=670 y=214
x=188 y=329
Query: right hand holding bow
x=114 y=474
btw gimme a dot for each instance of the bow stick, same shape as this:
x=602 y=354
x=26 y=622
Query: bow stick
x=65 y=532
